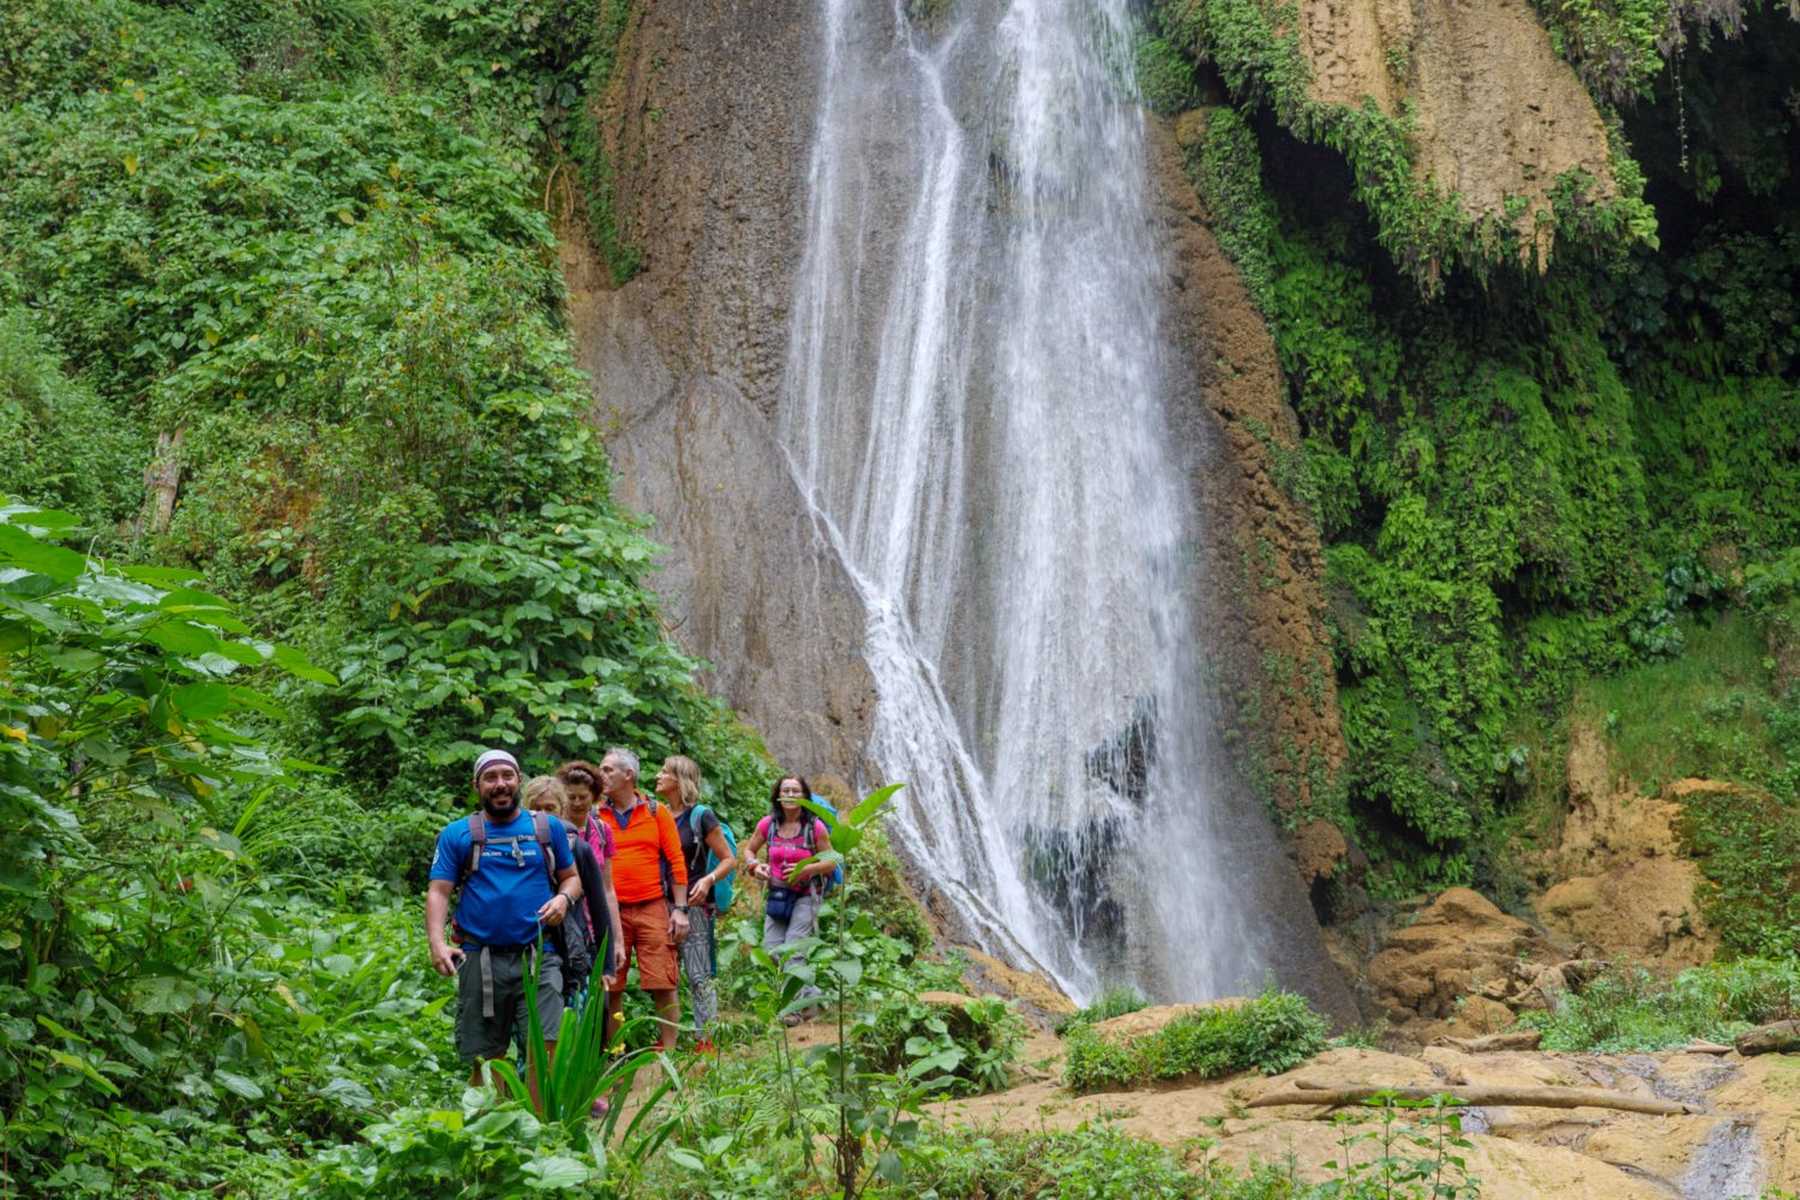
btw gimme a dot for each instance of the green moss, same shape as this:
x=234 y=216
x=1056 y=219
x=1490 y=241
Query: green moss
x=1225 y=168
x=1165 y=78
x=587 y=146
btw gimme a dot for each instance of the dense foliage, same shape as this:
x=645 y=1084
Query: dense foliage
x=291 y=258
x=1524 y=483
x=1271 y=1033
x=1629 y=1010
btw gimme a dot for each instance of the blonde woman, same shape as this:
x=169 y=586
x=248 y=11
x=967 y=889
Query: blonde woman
x=678 y=785
x=545 y=793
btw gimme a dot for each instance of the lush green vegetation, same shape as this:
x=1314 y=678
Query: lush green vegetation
x=296 y=252
x=1628 y=1009
x=1274 y=1032
x=1528 y=485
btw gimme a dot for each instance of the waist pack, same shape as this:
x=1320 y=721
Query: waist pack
x=781 y=902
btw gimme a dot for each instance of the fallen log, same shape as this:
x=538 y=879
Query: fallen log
x=1781 y=1037
x=1477 y=1097
x=1513 y=1039
x=1705 y=1048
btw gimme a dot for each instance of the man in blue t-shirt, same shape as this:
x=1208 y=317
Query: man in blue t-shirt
x=506 y=898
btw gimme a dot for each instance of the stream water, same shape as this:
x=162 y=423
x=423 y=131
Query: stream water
x=976 y=404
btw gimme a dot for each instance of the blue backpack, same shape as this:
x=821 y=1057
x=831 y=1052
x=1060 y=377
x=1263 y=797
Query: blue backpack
x=724 y=891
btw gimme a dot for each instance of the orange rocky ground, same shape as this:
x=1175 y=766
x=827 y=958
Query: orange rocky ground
x=1747 y=1139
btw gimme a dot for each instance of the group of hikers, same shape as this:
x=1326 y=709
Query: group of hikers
x=580 y=872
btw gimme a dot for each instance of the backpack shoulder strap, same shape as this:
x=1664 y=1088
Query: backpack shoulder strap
x=477 y=843
x=540 y=825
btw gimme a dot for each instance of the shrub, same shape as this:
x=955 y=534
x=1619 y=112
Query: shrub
x=1628 y=1009
x=1273 y=1033
x=981 y=1038
x=1113 y=1002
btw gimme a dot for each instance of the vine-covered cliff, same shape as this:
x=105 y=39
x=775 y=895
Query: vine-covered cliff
x=1526 y=480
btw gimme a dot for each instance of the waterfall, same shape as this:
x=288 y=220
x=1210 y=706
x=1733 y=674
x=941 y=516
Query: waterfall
x=976 y=403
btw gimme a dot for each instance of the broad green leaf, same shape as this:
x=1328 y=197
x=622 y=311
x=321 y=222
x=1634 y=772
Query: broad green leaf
x=18 y=548
x=76 y=659
x=163 y=577
x=297 y=664
x=201 y=701
x=249 y=1089
x=687 y=1158
x=348 y=1092
x=60 y=1030
x=555 y=1173
x=77 y=1063
x=873 y=803
x=164 y=994
x=38 y=518
x=178 y=636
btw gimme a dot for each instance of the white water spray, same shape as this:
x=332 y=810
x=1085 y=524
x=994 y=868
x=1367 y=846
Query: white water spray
x=976 y=404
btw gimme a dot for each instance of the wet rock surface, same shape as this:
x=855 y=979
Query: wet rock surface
x=1262 y=566
x=706 y=125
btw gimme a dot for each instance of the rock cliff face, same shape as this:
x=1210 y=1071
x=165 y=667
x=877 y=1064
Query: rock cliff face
x=1497 y=113
x=706 y=125
x=1263 y=600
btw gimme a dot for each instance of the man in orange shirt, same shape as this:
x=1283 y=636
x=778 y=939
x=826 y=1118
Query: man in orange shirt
x=645 y=845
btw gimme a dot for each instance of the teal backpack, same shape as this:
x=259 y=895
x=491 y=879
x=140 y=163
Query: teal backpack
x=724 y=891
x=836 y=879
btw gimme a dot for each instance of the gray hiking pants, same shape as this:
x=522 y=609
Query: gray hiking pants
x=802 y=924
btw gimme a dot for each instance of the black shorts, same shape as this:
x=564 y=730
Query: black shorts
x=490 y=1009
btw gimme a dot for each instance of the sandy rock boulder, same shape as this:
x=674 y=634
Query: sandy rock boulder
x=1625 y=886
x=1037 y=993
x=1507 y=1170
x=1460 y=944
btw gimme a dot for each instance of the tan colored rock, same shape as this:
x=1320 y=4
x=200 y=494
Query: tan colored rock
x=1319 y=846
x=1627 y=888
x=1498 y=113
x=1507 y=1170
x=1028 y=987
x=1750 y=1140
x=1644 y=911
x=1478 y=1015
x=1659 y=1146
x=1455 y=946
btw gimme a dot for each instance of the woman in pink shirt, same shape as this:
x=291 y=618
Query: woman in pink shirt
x=795 y=893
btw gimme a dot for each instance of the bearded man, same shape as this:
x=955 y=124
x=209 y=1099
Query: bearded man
x=517 y=877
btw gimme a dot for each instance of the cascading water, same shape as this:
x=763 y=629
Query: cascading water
x=976 y=405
